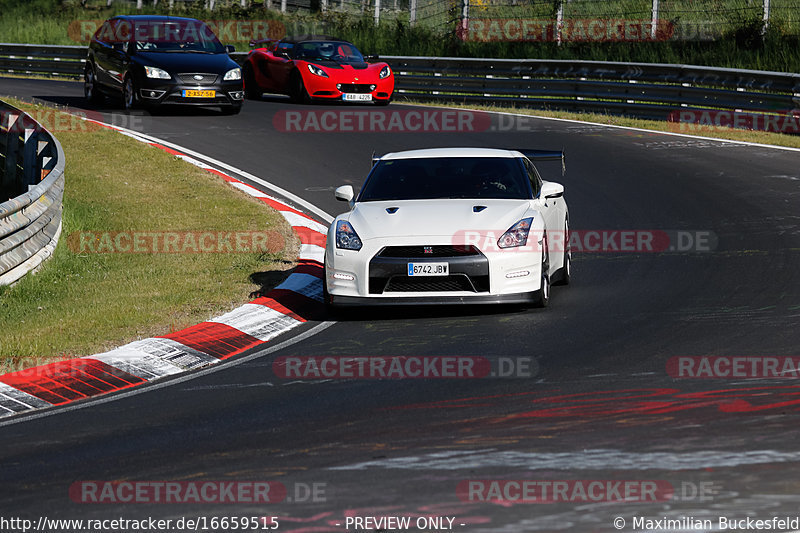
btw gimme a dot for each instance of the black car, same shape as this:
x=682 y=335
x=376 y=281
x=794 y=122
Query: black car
x=153 y=60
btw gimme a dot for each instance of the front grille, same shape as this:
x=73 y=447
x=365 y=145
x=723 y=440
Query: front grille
x=433 y=251
x=354 y=88
x=206 y=79
x=432 y=284
x=452 y=283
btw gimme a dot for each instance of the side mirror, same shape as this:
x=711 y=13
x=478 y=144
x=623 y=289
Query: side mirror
x=551 y=189
x=344 y=193
x=229 y=49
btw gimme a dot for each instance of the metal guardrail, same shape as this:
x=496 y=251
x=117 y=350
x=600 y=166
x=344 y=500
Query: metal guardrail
x=637 y=89
x=32 y=176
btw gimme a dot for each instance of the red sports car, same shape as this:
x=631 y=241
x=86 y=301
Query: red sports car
x=317 y=68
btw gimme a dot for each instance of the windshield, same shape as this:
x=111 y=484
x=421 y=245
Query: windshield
x=172 y=36
x=329 y=51
x=446 y=177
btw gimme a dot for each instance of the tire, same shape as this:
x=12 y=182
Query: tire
x=565 y=272
x=298 y=92
x=542 y=296
x=90 y=91
x=129 y=99
x=251 y=89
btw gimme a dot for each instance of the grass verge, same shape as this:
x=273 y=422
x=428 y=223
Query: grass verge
x=730 y=134
x=82 y=303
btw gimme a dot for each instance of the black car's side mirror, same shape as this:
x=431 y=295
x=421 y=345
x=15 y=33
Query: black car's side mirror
x=229 y=49
x=371 y=58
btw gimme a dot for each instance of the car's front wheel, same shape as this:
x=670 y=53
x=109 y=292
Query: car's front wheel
x=128 y=93
x=90 y=91
x=251 y=89
x=542 y=297
x=298 y=91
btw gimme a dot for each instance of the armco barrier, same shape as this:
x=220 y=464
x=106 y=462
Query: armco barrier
x=31 y=190
x=637 y=89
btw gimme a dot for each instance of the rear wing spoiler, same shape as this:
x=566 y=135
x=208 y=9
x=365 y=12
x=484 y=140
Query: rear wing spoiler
x=546 y=155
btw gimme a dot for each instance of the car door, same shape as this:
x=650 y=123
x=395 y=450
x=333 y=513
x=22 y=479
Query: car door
x=121 y=31
x=101 y=48
x=280 y=65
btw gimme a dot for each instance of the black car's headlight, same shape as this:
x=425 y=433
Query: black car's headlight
x=316 y=71
x=346 y=236
x=157 y=73
x=517 y=235
x=233 y=74
x=385 y=72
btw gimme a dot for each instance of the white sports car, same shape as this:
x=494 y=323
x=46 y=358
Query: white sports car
x=450 y=225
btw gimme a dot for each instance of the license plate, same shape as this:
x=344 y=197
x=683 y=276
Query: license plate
x=350 y=97
x=428 y=269
x=199 y=94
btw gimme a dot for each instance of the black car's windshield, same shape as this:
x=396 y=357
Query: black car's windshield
x=328 y=51
x=176 y=36
x=446 y=177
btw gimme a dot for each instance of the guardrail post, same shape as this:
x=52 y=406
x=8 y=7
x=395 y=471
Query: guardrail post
x=10 y=184
x=32 y=171
x=654 y=23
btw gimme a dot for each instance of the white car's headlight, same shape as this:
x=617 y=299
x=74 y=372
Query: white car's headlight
x=346 y=236
x=315 y=70
x=233 y=74
x=157 y=73
x=385 y=72
x=517 y=235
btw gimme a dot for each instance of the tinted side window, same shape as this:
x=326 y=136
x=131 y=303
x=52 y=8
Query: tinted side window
x=104 y=33
x=534 y=177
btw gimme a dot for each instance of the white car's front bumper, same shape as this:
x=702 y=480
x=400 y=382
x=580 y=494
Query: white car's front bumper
x=357 y=277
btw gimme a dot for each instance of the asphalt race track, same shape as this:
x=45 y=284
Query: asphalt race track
x=600 y=405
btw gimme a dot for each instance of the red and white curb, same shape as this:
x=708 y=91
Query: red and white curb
x=293 y=302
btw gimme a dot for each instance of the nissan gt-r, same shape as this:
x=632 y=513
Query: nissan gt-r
x=317 y=68
x=450 y=225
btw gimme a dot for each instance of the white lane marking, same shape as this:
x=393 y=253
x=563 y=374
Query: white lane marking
x=631 y=128
x=585 y=460
x=224 y=365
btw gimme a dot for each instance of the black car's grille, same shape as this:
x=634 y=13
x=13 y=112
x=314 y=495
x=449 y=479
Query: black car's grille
x=191 y=79
x=429 y=251
x=354 y=88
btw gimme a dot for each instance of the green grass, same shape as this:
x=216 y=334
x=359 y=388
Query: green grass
x=83 y=303
x=734 y=29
